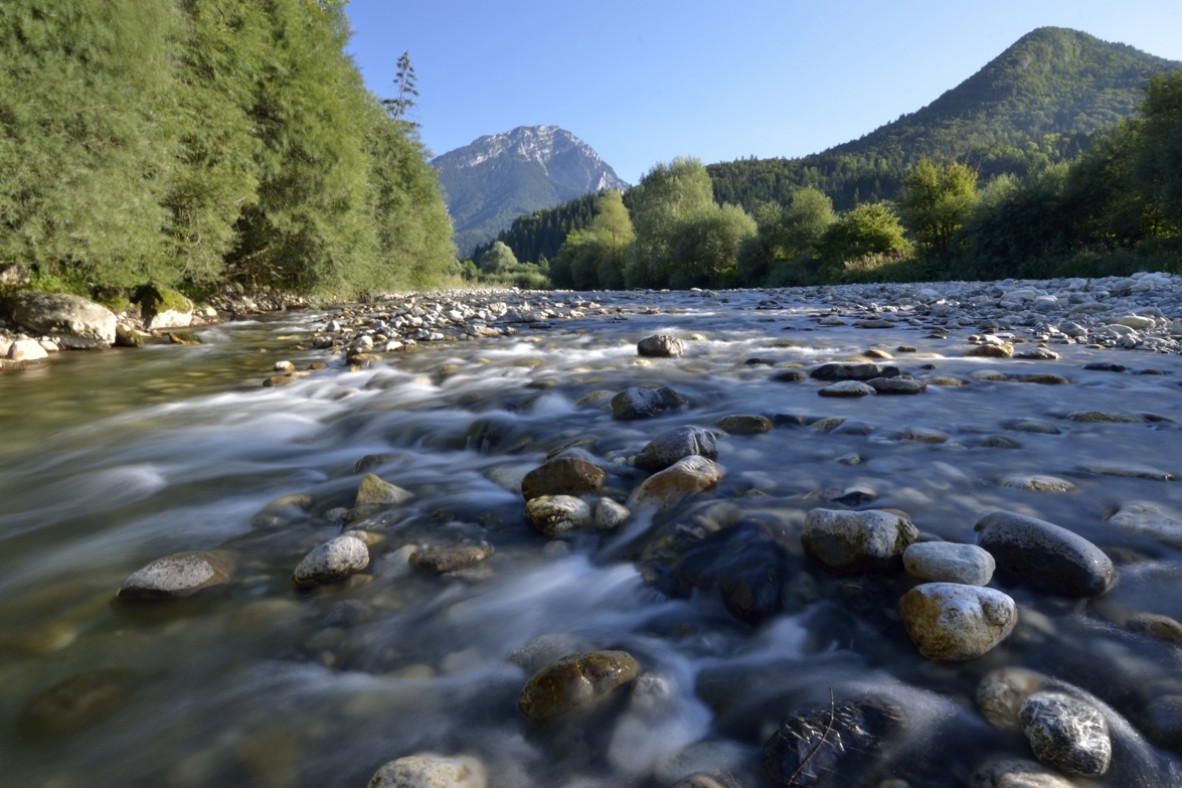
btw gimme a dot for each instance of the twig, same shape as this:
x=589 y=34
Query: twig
x=816 y=747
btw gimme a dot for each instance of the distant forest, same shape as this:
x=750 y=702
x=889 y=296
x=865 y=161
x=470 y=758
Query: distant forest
x=193 y=143
x=1054 y=159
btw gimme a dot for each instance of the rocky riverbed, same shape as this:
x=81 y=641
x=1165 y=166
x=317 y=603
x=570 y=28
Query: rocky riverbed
x=897 y=535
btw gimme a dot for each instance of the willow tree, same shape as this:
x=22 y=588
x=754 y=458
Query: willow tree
x=667 y=196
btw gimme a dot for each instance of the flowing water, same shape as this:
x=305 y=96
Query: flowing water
x=111 y=460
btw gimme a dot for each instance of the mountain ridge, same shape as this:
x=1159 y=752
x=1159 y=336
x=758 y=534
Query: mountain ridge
x=498 y=177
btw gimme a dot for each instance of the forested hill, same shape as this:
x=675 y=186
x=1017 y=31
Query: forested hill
x=1036 y=103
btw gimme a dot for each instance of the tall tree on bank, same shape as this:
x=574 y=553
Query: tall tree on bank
x=668 y=196
x=935 y=202
x=405 y=82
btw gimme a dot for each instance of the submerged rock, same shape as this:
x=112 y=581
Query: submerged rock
x=745 y=424
x=576 y=683
x=660 y=346
x=451 y=558
x=952 y=621
x=1149 y=519
x=643 y=403
x=844 y=541
x=832 y=746
x=848 y=388
x=1043 y=556
x=683 y=478
x=557 y=515
x=77 y=702
x=563 y=476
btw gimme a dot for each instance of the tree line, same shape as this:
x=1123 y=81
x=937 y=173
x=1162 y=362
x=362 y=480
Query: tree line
x=194 y=142
x=1115 y=208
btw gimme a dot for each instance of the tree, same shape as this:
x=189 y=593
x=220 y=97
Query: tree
x=1158 y=168
x=667 y=196
x=498 y=258
x=935 y=202
x=868 y=229
x=706 y=248
x=404 y=81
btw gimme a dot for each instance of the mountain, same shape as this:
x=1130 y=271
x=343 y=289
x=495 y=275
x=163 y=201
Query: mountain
x=1036 y=103
x=492 y=181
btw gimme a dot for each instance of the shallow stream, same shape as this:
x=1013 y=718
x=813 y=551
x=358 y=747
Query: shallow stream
x=111 y=460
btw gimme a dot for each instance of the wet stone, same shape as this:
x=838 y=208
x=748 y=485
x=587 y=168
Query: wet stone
x=373 y=491
x=1149 y=520
x=1130 y=471
x=428 y=770
x=1155 y=625
x=643 y=403
x=1015 y=773
x=991 y=351
x=660 y=346
x=847 y=388
x=859 y=541
x=563 y=476
x=333 y=561
x=178 y=575
x=575 y=683
x=671 y=446
x=789 y=376
x=1066 y=733
x=948 y=562
x=1043 y=556
x=451 y=558
x=897 y=385
x=1032 y=426
x=558 y=515
x=609 y=515
x=1037 y=482
x=745 y=424
x=687 y=476
x=76 y=703
x=813 y=748
x=863 y=371
x=952 y=621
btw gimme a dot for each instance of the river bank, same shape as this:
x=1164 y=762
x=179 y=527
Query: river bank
x=537 y=550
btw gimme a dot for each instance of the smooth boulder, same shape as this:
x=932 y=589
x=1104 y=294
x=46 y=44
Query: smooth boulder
x=1043 y=556
x=660 y=346
x=563 y=476
x=1066 y=733
x=177 y=575
x=332 y=561
x=73 y=321
x=672 y=445
x=575 y=683
x=683 y=478
x=644 y=403
x=949 y=562
x=428 y=770
x=846 y=541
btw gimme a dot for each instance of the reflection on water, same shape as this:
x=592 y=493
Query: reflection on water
x=113 y=459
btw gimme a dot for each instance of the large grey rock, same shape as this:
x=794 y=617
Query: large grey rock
x=857 y=541
x=1043 y=556
x=671 y=446
x=72 y=320
x=574 y=683
x=556 y=515
x=847 y=370
x=563 y=476
x=428 y=770
x=177 y=575
x=952 y=621
x=26 y=350
x=660 y=346
x=1066 y=733
x=332 y=561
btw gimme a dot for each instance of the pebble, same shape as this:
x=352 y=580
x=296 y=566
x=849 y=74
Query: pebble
x=428 y=770
x=687 y=476
x=575 y=683
x=644 y=403
x=857 y=541
x=1044 y=556
x=563 y=476
x=660 y=346
x=949 y=562
x=178 y=575
x=847 y=388
x=672 y=445
x=558 y=515
x=952 y=621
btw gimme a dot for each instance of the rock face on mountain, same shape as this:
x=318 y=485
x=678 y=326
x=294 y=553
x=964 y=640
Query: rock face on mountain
x=497 y=178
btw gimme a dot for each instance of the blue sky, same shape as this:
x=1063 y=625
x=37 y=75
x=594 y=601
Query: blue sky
x=645 y=81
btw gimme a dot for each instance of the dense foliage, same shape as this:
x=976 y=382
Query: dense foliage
x=191 y=142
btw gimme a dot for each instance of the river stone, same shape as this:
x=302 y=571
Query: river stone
x=1066 y=733
x=428 y=770
x=1015 y=773
x=992 y=350
x=1156 y=625
x=332 y=561
x=847 y=388
x=1105 y=417
x=575 y=683
x=643 y=403
x=830 y=746
x=660 y=346
x=450 y=558
x=77 y=702
x=846 y=370
x=949 y=562
x=177 y=575
x=27 y=350
x=609 y=515
x=745 y=424
x=563 y=476
x=1034 y=426
x=898 y=385
x=1038 y=482
x=72 y=320
x=1043 y=556
x=374 y=491
x=1001 y=692
x=671 y=446
x=683 y=478
x=952 y=621
x=1130 y=471
x=845 y=541
x=556 y=515
x=1150 y=520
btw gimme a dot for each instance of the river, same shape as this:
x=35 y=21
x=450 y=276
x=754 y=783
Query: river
x=113 y=459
